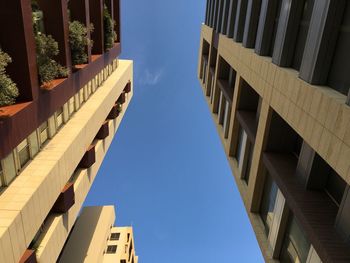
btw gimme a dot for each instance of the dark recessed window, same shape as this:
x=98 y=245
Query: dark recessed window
x=295 y=245
x=115 y=236
x=268 y=202
x=297 y=146
x=111 y=249
x=335 y=187
x=239 y=144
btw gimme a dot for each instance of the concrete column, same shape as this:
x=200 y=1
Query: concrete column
x=269 y=9
x=321 y=40
x=225 y=17
x=240 y=20
x=287 y=32
x=251 y=23
x=231 y=18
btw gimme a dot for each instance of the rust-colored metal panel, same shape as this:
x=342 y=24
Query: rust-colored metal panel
x=89 y=158
x=116 y=17
x=122 y=98
x=103 y=131
x=17 y=39
x=28 y=257
x=56 y=24
x=65 y=200
x=19 y=120
x=79 y=10
x=114 y=113
x=127 y=88
x=96 y=17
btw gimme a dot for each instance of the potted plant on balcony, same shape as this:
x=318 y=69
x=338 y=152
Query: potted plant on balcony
x=46 y=51
x=110 y=36
x=8 y=89
x=79 y=41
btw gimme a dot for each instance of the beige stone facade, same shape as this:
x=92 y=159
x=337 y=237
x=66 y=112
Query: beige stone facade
x=27 y=216
x=95 y=239
x=246 y=111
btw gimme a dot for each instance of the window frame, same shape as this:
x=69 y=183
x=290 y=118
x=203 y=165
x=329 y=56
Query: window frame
x=111 y=249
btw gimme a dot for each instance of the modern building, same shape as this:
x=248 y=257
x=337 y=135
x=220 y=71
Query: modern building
x=276 y=80
x=95 y=239
x=54 y=138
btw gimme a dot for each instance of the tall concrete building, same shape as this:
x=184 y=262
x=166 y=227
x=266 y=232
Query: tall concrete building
x=55 y=137
x=95 y=239
x=275 y=75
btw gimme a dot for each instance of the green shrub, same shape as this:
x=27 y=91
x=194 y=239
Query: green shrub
x=78 y=40
x=8 y=89
x=46 y=51
x=110 y=35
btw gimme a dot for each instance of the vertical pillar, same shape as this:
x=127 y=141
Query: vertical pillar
x=96 y=17
x=16 y=16
x=79 y=10
x=56 y=24
x=322 y=37
x=240 y=20
x=287 y=32
x=267 y=18
x=231 y=18
x=225 y=17
x=251 y=23
x=116 y=17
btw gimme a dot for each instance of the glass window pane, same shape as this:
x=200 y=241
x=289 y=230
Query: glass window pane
x=335 y=187
x=268 y=202
x=115 y=236
x=111 y=249
x=59 y=117
x=44 y=132
x=295 y=246
x=23 y=152
x=239 y=144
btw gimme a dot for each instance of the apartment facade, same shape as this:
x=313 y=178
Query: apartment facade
x=274 y=75
x=96 y=239
x=54 y=138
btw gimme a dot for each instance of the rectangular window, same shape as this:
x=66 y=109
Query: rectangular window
x=59 y=118
x=335 y=187
x=250 y=149
x=115 y=236
x=44 y=132
x=111 y=249
x=295 y=246
x=239 y=145
x=71 y=106
x=122 y=261
x=268 y=203
x=2 y=183
x=23 y=152
x=81 y=95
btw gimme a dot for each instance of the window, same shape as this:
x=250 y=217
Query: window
x=335 y=187
x=23 y=152
x=128 y=237
x=295 y=246
x=44 y=132
x=268 y=203
x=111 y=249
x=59 y=118
x=239 y=144
x=122 y=261
x=130 y=250
x=115 y=236
x=71 y=106
x=297 y=146
x=250 y=149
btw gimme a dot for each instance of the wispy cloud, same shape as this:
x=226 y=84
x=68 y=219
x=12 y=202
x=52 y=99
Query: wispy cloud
x=150 y=78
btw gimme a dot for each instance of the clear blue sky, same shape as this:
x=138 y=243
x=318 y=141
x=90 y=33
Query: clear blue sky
x=166 y=171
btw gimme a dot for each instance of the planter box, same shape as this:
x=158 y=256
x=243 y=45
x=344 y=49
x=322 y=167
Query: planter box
x=121 y=98
x=89 y=158
x=104 y=131
x=65 y=200
x=127 y=88
x=114 y=113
